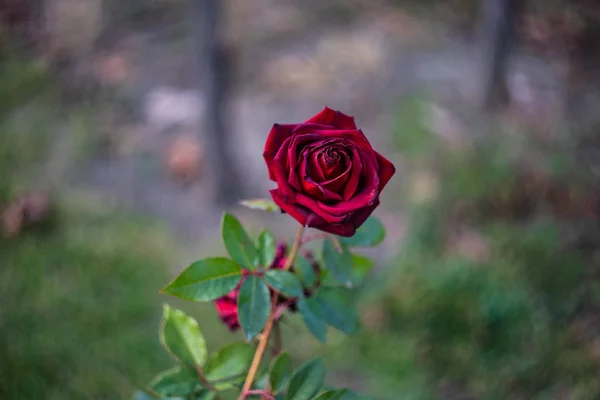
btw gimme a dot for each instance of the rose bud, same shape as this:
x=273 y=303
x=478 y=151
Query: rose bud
x=227 y=305
x=328 y=175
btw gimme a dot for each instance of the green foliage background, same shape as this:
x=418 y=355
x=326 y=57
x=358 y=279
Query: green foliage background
x=79 y=305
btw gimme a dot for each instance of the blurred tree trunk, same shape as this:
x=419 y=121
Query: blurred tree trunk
x=214 y=63
x=583 y=72
x=499 y=20
x=21 y=21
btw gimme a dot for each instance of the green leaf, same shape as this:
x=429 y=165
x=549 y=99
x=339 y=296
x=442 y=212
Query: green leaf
x=281 y=372
x=340 y=394
x=139 y=395
x=338 y=263
x=266 y=248
x=254 y=305
x=202 y=395
x=361 y=266
x=177 y=381
x=307 y=381
x=337 y=309
x=304 y=270
x=238 y=243
x=206 y=280
x=370 y=234
x=284 y=282
x=313 y=318
x=229 y=365
x=261 y=204
x=262 y=379
x=181 y=336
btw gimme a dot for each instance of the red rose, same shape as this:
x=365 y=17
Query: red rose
x=227 y=305
x=328 y=175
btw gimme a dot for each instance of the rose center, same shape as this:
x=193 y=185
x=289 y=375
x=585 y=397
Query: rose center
x=332 y=156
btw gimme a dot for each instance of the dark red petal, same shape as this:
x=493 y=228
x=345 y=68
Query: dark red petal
x=343 y=229
x=232 y=323
x=366 y=195
x=226 y=307
x=278 y=135
x=355 y=136
x=280 y=160
x=298 y=212
x=324 y=117
x=294 y=180
x=318 y=192
x=305 y=128
x=315 y=207
x=354 y=179
x=306 y=167
x=281 y=178
x=279 y=260
x=335 y=118
x=343 y=121
x=333 y=170
x=338 y=183
x=386 y=170
x=361 y=216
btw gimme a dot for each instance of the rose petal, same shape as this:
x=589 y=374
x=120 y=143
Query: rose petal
x=318 y=192
x=355 y=136
x=361 y=216
x=344 y=229
x=316 y=154
x=279 y=260
x=303 y=129
x=335 y=118
x=332 y=168
x=315 y=207
x=299 y=213
x=226 y=307
x=367 y=195
x=279 y=133
x=338 y=183
x=279 y=173
x=315 y=172
x=386 y=170
x=354 y=179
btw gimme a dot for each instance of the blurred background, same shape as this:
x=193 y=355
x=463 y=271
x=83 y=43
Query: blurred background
x=127 y=127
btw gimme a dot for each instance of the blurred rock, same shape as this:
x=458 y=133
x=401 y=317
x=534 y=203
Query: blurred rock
x=375 y=317
x=28 y=210
x=72 y=26
x=113 y=69
x=468 y=244
x=184 y=158
x=12 y=220
x=167 y=107
x=424 y=186
x=446 y=125
x=37 y=207
x=400 y=24
x=298 y=72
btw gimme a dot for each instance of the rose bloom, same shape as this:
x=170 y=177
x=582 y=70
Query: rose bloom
x=227 y=305
x=328 y=175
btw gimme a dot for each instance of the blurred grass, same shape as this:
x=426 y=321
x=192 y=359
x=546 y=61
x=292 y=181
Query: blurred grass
x=80 y=307
x=492 y=295
x=489 y=296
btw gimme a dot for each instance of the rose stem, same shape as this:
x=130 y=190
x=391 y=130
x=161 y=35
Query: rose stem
x=317 y=236
x=277 y=339
x=205 y=381
x=262 y=393
x=264 y=338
